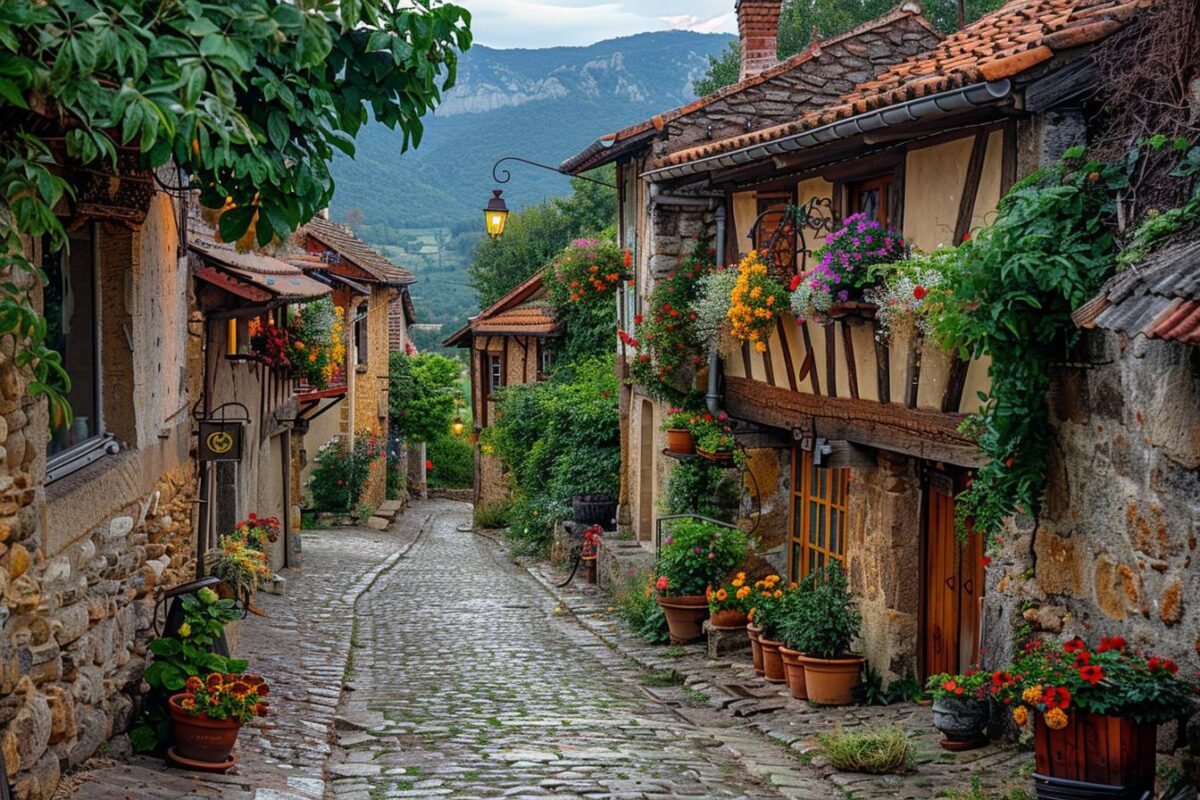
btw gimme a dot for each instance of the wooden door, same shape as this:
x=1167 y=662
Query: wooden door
x=953 y=585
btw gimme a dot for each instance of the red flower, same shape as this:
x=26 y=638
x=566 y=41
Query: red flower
x=637 y=320
x=628 y=259
x=1092 y=674
x=1074 y=646
x=1033 y=645
x=1057 y=697
x=920 y=292
x=1001 y=678
x=949 y=686
x=794 y=284
x=987 y=561
x=966 y=236
x=1082 y=659
x=428 y=464
x=1111 y=643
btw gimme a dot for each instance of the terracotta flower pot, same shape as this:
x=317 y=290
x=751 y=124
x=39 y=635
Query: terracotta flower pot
x=831 y=681
x=719 y=456
x=685 y=616
x=200 y=738
x=728 y=619
x=961 y=723
x=680 y=440
x=589 y=569
x=772 y=661
x=756 y=652
x=1096 y=754
x=794 y=672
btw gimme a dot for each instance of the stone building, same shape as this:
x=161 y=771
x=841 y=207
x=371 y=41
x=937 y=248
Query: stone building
x=369 y=288
x=854 y=449
x=511 y=343
x=96 y=513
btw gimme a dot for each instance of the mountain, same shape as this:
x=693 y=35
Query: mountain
x=423 y=207
x=539 y=104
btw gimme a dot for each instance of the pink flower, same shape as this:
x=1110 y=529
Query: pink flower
x=661 y=583
x=712 y=555
x=697 y=549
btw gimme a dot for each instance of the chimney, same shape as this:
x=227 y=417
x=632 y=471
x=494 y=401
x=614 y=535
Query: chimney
x=758 y=26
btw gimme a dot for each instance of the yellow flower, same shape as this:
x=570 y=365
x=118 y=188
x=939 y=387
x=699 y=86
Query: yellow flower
x=185 y=630
x=778 y=593
x=1020 y=715
x=761 y=347
x=738 y=582
x=722 y=595
x=1032 y=695
x=1056 y=719
x=743 y=592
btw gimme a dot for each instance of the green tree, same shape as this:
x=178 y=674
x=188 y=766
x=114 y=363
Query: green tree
x=535 y=235
x=423 y=395
x=250 y=99
x=800 y=19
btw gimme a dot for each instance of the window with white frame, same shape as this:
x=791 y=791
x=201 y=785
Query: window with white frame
x=495 y=372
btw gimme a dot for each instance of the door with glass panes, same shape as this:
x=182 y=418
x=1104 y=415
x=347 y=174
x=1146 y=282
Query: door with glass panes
x=817 y=527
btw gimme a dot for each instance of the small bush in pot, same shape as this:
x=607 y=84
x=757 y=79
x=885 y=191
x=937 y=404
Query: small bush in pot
x=792 y=626
x=208 y=714
x=828 y=625
x=770 y=601
x=728 y=605
x=678 y=427
x=960 y=708
x=696 y=556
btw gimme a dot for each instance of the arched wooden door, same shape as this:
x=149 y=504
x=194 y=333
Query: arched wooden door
x=953 y=580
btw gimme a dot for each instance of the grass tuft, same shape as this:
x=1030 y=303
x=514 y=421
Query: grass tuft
x=876 y=752
x=976 y=792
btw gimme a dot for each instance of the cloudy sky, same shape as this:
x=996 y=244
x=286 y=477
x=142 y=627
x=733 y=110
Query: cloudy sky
x=545 y=23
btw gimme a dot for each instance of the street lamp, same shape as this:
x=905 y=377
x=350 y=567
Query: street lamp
x=496 y=214
x=457 y=426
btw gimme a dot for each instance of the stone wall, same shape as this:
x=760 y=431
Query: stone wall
x=1112 y=547
x=371 y=387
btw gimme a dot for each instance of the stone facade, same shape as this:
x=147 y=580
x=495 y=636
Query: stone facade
x=1112 y=547
x=370 y=391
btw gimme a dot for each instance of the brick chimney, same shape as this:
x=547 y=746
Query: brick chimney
x=758 y=25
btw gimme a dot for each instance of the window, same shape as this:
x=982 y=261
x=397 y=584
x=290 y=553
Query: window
x=495 y=372
x=873 y=198
x=818 y=524
x=772 y=212
x=72 y=326
x=361 y=349
x=547 y=359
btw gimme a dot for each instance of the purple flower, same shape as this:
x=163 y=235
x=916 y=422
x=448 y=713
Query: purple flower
x=843 y=295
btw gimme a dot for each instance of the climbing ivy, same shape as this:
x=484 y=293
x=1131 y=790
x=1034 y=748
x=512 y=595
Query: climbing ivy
x=250 y=98
x=1011 y=293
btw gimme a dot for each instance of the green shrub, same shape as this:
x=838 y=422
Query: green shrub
x=453 y=460
x=874 y=752
x=397 y=477
x=635 y=603
x=341 y=474
x=697 y=555
x=531 y=524
x=701 y=487
x=491 y=517
x=424 y=392
x=826 y=622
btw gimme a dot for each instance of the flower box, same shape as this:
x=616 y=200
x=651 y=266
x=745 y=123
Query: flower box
x=1110 y=752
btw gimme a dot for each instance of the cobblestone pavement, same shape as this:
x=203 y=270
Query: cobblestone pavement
x=301 y=646
x=470 y=683
x=765 y=712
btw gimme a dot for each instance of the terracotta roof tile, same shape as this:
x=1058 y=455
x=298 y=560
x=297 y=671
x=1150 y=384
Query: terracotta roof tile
x=524 y=311
x=1007 y=42
x=341 y=239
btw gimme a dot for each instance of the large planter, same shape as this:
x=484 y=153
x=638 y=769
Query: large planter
x=1097 y=755
x=681 y=441
x=594 y=509
x=831 y=681
x=772 y=661
x=685 y=616
x=961 y=722
x=752 y=633
x=206 y=742
x=793 y=670
x=728 y=619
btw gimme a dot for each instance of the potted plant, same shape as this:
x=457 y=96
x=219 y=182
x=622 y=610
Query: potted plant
x=793 y=621
x=961 y=708
x=678 y=427
x=208 y=714
x=727 y=607
x=696 y=555
x=1095 y=711
x=833 y=288
x=831 y=624
x=714 y=438
x=766 y=614
x=590 y=552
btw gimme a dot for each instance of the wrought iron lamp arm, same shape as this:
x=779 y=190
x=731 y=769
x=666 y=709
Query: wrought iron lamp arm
x=497 y=172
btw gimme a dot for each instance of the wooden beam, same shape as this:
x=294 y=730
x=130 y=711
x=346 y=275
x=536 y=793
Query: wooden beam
x=966 y=202
x=1008 y=158
x=747 y=361
x=912 y=374
x=768 y=366
x=809 y=367
x=1072 y=81
x=787 y=354
x=952 y=398
x=922 y=434
x=851 y=367
x=831 y=358
x=883 y=368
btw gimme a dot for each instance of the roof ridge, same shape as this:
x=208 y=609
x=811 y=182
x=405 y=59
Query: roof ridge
x=516 y=295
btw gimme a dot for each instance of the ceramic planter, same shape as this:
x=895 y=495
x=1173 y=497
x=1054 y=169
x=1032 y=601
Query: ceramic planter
x=752 y=633
x=728 y=619
x=1094 y=756
x=685 y=616
x=206 y=742
x=794 y=672
x=961 y=722
x=681 y=441
x=772 y=661
x=831 y=681
x=589 y=568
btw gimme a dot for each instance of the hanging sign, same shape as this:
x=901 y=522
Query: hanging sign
x=220 y=441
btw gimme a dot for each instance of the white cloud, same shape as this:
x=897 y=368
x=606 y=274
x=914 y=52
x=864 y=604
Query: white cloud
x=547 y=23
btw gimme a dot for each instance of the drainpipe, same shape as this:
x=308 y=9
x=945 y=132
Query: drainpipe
x=713 y=397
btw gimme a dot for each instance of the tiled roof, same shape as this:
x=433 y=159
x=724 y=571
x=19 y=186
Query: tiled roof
x=279 y=278
x=340 y=239
x=1159 y=300
x=524 y=311
x=611 y=145
x=1011 y=40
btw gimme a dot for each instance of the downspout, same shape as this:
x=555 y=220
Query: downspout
x=712 y=397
